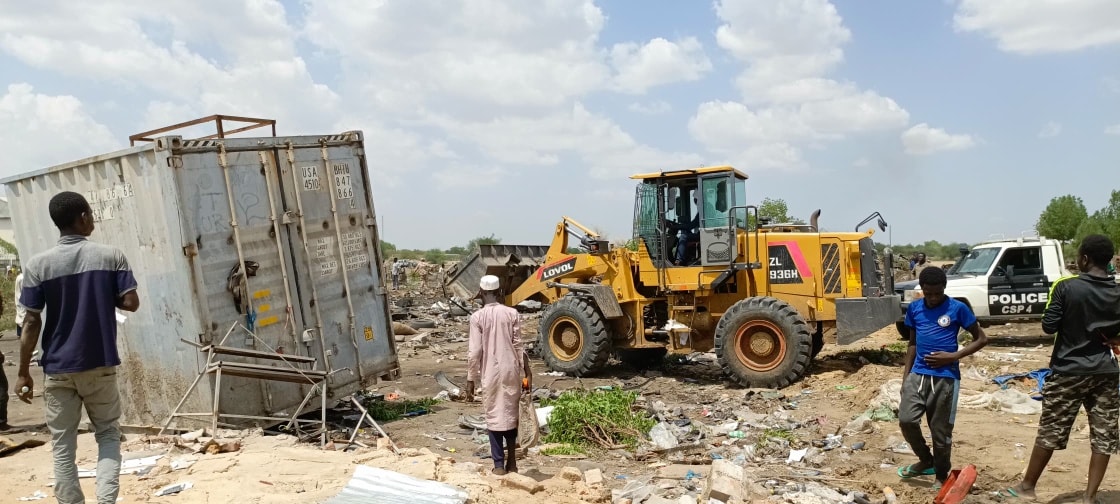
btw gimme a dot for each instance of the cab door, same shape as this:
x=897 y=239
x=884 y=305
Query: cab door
x=717 y=238
x=1018 y=286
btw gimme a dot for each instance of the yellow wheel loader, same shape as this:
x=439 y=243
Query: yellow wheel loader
x=702 y=272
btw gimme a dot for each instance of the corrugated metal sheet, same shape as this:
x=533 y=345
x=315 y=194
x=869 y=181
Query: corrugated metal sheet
x=303 y=211
x=371 y=484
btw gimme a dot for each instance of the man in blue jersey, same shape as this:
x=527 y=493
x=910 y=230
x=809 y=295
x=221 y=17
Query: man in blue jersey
x=79 y=284
x=931 y=377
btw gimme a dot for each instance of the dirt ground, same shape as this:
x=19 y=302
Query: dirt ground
x=844 y=382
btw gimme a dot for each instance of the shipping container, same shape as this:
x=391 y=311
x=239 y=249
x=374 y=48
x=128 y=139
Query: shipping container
x=188 y=214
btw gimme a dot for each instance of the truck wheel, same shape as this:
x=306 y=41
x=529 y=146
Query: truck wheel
x=574 y=337
x=763 y=342
x=643 y=358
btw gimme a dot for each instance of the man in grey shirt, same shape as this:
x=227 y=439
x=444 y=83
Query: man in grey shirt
x=80 y=285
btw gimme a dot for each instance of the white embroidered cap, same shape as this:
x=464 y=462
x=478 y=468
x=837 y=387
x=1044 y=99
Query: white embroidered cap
x=489 y=283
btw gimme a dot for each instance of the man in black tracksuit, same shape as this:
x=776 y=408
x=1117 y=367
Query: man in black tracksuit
x=1084 y=313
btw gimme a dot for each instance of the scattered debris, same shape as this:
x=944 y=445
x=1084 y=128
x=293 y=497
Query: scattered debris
x=174 y=489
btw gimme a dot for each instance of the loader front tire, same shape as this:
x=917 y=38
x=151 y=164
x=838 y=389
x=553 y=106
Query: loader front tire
x=574 y=337
x=763 y=342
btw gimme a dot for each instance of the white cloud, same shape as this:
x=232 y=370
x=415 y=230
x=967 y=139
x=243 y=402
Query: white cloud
x=1042 y=26
x=922 y=140
x=658 y=62
x=487 y=64
x=600 y=144
x=652 y=108
x=38 y=130
x=788 y=48
x=861 y=163
x=502 y=82
x=115 y=41
x=1112 y=130
x=1050 y=130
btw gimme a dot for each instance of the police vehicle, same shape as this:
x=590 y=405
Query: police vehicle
x=1001 y=280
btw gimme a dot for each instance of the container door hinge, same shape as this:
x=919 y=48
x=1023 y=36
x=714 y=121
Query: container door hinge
x=190 y=250
x=289 y=217
x=371 y=222
x=175 y=161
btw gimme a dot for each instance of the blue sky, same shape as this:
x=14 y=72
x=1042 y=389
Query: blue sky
x=955 y=119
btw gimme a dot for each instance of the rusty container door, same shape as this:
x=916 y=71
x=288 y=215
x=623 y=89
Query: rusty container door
x=327 y=188
x=276 y=209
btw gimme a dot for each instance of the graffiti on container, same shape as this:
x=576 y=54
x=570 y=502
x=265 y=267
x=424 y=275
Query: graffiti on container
x=108 y=202
x=212 y=207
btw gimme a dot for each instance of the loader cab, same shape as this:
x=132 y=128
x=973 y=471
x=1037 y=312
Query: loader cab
x=685 y=217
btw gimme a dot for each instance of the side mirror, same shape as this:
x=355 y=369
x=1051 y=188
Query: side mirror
x=721 y=196
x=882 y=225
x=671 y=200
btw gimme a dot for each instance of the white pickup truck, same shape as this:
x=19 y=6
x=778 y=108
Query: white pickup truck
x=1001 y=280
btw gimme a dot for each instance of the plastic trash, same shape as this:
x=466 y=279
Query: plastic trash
x=174 y=489
x=663 y=437
x=543 y=414
x=860 y=425
x=1007 y=400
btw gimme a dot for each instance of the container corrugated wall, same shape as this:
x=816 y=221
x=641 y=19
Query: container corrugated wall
x=304 y=216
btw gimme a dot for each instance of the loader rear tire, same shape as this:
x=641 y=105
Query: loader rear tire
x=763 y=342
x=574 y=337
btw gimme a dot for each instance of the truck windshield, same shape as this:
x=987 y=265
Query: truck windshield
x=978 y=261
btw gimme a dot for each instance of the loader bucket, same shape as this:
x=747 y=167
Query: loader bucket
x=513 y=264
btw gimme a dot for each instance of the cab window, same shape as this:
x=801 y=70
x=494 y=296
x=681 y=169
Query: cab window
x=716 y=204
x=1024 y=260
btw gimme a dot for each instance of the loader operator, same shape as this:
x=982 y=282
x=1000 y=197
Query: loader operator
x=689 y=235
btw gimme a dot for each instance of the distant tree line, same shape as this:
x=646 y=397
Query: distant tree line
x=1067 y=219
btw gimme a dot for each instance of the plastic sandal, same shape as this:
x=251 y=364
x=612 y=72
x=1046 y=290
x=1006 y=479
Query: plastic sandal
x=1008 y=493
x=909 y=472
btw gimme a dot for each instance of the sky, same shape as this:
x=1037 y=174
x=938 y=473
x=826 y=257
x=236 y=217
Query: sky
x=958 y=120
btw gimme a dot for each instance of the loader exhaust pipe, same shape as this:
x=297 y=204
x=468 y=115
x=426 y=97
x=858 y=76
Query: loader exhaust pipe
x=813 y=220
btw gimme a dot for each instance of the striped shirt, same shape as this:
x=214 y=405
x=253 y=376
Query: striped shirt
x=78 y=284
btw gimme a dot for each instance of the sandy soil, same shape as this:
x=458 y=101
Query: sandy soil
x=844 y=381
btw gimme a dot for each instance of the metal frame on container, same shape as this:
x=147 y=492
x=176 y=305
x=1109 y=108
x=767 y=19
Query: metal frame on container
x=149 y=136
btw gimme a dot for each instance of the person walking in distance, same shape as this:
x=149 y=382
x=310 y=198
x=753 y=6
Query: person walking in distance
x=395 y=272
x=497 y=361
x=1083 y=314
x=20 y=314
x=80 y=284
x=4 y=426
x=919 y=264
x=931 y=377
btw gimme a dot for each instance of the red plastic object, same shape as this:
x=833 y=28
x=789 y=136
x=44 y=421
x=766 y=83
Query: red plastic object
x=957 y=487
